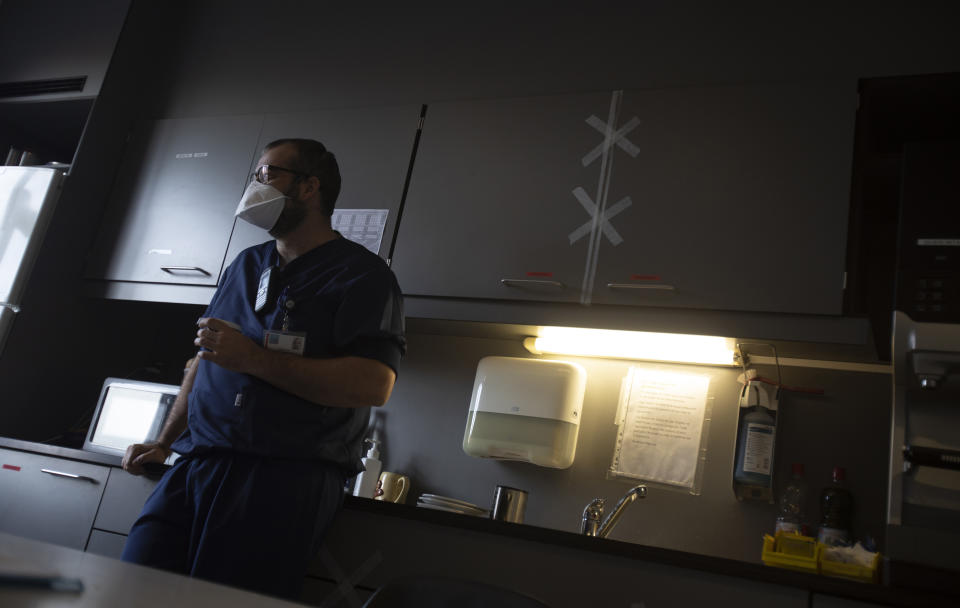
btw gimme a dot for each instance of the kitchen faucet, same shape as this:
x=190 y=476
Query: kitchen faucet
x=591 y=524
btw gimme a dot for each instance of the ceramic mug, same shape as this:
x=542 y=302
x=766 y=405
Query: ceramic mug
x=392 y=487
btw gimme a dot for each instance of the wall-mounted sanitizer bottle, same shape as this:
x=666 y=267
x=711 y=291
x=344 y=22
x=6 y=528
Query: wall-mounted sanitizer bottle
x=525 y=409
x=756 y=438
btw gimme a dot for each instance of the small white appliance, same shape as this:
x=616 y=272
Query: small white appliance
x=28 y=196
x=128 y=412
x=527 y=410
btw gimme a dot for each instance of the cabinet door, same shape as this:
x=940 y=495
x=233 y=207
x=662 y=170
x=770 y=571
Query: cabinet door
x=106 y=544
x=49 y=499
x=171 y=211
x=372 y=146
x=501 y=198
x=123 y=499
x=729 y=198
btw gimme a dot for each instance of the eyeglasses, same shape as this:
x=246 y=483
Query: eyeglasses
x=265 y=173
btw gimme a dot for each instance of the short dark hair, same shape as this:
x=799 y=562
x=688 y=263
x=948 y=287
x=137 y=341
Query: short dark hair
x=314 y=159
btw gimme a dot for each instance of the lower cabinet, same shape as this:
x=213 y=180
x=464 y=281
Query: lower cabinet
x=68 y=502
x=327 y=593
x=363 y=551
x=106 y=544
x=819 y=600
x=122 y=501
x=49 y=499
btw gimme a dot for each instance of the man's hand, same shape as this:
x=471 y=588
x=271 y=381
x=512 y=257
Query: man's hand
x=226 y=346
x=139 y=454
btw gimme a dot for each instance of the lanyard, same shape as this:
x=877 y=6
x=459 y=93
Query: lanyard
x=287 y=305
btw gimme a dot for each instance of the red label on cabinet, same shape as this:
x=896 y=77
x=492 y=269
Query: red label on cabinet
x=11 y=467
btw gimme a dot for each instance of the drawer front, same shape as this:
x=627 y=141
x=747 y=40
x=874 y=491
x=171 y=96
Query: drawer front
x=122 y=501
x=106 y=544
x=49 y=499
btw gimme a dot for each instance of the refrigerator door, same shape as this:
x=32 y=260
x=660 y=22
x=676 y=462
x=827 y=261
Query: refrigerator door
x=27 y=198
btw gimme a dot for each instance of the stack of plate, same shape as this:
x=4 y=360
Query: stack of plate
x=451 y=505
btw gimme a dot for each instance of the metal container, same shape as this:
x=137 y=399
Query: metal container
x=29 y=159
x=509 y=504
x=13 y=156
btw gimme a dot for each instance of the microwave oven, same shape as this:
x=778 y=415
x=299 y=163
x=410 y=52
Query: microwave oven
x=127 y=412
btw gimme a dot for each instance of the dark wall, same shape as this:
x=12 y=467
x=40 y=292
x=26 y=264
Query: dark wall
x=847 y=425
x=235 y=57
x=54 y=39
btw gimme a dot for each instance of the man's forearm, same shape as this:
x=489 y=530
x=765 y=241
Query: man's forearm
x=339 y=381
x=177 y=418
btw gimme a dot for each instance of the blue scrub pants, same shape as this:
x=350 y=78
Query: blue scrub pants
x=240 y=520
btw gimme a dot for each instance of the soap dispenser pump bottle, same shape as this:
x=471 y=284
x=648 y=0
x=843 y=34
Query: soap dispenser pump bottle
x=367 y=479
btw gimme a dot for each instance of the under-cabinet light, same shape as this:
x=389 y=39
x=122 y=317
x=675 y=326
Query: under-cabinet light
x=617 y=344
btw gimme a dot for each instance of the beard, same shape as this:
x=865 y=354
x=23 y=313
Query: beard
x=293 y=214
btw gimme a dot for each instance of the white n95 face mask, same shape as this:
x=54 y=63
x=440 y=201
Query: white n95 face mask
x=260 y=205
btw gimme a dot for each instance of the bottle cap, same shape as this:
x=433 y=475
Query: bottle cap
x=798 y=468
x=839 y=473
x=755 y=392
x=374 y=451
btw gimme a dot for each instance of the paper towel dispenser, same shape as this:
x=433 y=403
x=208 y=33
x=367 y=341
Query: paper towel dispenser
x=527 y=410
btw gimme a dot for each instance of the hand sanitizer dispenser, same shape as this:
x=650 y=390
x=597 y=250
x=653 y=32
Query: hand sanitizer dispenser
x=756 y=438
x=526 y=410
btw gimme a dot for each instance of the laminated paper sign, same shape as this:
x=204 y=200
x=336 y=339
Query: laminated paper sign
x=661 y=417
x=364 y=226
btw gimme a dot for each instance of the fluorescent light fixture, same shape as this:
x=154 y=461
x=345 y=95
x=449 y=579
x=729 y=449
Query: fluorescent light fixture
x=616 y=344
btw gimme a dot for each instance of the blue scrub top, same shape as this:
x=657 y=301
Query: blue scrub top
x=347 y=302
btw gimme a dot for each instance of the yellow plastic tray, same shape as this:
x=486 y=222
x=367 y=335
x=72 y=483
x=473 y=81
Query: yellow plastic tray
x=866 y=574
x=791 y=551
x=804 y=553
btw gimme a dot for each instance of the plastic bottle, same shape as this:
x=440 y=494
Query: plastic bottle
x=755 y=435
x=836 y=510
x=794 y=496
x=367 y=479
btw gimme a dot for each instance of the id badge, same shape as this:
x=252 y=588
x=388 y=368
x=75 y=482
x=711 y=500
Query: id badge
x=263 y=289
x=285 y=341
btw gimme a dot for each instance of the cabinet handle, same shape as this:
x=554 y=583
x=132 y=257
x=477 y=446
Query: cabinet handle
x=656 y=286
x=173 y=269
x=533 y=282
x=70 y=475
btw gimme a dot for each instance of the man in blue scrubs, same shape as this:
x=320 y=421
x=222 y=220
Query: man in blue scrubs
x=303 y=335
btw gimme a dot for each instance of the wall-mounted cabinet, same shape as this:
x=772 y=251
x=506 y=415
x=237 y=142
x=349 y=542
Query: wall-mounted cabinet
x=729 y=199
x=726 y=198
x=893 y=113
x=171 y=221
x=171 y=210
x=372 y=146
x=491 y=202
